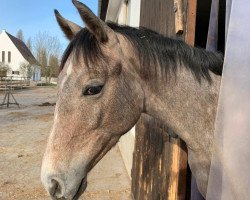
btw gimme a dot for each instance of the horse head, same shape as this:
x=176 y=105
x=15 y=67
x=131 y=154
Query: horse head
x=99 y=100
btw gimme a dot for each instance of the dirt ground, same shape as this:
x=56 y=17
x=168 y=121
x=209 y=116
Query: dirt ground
x=23 y=135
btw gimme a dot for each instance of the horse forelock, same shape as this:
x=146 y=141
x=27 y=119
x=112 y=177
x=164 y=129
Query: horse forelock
x=84 y=47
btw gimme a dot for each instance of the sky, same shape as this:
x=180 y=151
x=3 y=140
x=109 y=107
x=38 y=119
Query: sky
x=34 y=16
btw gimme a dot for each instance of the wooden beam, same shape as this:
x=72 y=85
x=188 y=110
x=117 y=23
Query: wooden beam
x=177 y=182
x=191 y=22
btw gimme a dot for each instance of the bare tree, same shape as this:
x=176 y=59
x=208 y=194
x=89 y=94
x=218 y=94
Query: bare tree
x=53 y=66
x=43 y=61
x=47 y=48
x=29 y=44
x=20 y=35
x=26 y=69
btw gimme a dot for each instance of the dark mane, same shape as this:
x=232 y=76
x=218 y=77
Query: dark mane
x=152 y=49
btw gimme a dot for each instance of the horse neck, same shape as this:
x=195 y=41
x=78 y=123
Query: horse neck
x=185 y=105
x=179 y=100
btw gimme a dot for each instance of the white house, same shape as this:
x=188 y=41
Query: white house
x=15 y=53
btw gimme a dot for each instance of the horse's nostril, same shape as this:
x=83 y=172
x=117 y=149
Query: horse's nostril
x=56 y=189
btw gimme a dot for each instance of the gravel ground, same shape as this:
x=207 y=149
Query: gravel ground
x=23 y=135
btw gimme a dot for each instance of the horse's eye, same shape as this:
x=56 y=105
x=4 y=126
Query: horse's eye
x=93 y=90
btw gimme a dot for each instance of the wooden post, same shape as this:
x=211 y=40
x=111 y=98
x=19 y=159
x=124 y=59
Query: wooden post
x=177 y=187
x=191 y=22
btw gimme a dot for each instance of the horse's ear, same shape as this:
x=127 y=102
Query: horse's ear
x=69 y=28
x=95 y=25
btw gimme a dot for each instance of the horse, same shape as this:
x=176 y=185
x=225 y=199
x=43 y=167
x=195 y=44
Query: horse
x=109 y=76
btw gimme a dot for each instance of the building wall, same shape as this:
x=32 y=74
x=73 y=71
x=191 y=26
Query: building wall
x=16 y=57
x=129 y=15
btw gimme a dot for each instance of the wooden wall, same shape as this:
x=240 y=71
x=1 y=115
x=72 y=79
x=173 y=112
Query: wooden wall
x=158 y=15
x=160 y=170
x=160 y=162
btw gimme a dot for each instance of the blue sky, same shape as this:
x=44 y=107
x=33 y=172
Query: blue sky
x=33 y=16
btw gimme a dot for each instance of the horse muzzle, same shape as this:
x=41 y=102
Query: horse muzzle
x=64 y=187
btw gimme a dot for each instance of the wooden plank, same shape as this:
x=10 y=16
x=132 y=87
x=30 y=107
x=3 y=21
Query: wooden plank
x=157 y=172
x=158 y=15
x=191 y=22
x=177 y=188
x=150 y=172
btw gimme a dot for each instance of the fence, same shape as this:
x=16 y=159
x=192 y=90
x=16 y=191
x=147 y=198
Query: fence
x=13 y=82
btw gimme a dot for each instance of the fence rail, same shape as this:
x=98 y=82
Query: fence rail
x=13 y=82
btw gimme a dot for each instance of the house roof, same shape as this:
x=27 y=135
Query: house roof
x=23 y=49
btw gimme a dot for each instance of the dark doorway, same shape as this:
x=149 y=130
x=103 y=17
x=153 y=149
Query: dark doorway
x=202 y=22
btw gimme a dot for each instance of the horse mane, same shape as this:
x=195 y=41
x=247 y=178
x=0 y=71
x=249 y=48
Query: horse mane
x=153 y=49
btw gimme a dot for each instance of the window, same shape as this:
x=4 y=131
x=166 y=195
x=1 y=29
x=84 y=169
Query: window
x=9 y=57
x=3 y=56
x=15 y=72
